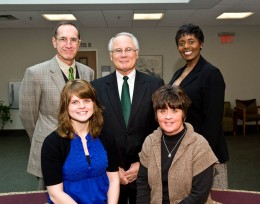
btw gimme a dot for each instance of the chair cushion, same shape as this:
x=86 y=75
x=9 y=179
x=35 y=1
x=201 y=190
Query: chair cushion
x=252 y=117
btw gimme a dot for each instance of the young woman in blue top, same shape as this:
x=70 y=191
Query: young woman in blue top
x=79 y=163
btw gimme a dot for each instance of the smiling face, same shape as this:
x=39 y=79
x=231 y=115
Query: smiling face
x=125 y=60
x=170 y=120
x=80 y=110
x=67 y=43
x=189 y=47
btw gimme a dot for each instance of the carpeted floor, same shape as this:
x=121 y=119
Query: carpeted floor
x=14 y=152
x=243 y=167
x=244 y=163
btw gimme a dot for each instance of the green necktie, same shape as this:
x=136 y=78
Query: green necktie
x=71 y=74
x=125 y=100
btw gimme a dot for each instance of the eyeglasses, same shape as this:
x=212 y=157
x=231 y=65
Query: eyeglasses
x=64 y=40
x=120 y=51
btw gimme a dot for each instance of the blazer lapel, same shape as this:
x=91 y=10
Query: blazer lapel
x=176 y=75
x=193 y=74
x=56 y=74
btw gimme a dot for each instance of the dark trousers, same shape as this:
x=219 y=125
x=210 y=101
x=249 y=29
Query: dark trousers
x=127 y=194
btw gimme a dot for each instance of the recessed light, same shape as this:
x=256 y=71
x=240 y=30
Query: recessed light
x=148 y=16
x=237 y=15
x=59 y=17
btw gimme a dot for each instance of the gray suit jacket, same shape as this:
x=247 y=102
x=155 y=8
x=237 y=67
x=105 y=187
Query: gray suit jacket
x=39 y=101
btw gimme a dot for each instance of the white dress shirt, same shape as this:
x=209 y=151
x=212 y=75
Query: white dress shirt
x=131 y=83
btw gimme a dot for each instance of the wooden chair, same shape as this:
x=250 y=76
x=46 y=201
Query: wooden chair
x=246 y=110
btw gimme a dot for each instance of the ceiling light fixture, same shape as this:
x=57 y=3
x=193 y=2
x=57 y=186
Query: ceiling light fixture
x=238 y=15
x=148 y=16
x=59 y=17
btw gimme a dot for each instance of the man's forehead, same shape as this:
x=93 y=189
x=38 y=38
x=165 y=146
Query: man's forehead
x=63 y=30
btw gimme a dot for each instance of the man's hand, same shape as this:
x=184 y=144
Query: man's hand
x=132 y=172
x=130 y=175
x=123 y=179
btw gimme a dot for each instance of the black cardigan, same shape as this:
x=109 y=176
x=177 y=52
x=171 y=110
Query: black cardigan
x=57 y=148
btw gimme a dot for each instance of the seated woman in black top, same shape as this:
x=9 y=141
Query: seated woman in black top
x=79 y=163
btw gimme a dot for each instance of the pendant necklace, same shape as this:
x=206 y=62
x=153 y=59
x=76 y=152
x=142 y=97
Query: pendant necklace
x=170 y=152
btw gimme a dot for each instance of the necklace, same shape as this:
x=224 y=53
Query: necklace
x=170 y=152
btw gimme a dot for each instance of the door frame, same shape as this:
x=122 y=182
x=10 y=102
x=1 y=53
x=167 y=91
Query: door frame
x=86 y=50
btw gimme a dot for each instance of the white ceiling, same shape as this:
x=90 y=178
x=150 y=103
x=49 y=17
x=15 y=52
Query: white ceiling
x=200 y=12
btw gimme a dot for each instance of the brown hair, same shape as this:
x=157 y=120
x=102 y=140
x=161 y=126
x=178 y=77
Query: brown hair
x=83 y=90
x=55 y=33
x=171 y=96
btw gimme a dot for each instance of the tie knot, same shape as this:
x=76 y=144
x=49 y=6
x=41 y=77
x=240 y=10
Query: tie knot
x=125 y=78
x=70 y=70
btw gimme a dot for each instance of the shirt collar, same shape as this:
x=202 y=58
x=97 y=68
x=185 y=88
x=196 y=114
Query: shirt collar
x=131 y=76
x=63 y=65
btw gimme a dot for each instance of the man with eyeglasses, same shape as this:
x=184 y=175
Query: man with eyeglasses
x=129 y=132
x=41 y=87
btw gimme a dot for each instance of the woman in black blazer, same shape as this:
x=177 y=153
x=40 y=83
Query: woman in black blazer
x=205 y=86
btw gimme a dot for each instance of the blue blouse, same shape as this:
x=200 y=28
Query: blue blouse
x=86 y=182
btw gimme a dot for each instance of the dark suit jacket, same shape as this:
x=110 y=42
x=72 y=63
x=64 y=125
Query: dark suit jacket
x=206 y=88
x=141 y=120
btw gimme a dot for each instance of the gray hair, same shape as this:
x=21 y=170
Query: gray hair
x=135 y=41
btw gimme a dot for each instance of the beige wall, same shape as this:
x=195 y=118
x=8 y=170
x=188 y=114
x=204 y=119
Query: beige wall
x=238 y=61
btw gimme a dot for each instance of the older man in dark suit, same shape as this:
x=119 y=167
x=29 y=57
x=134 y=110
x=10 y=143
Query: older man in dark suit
x=41 y=88
x=129 y=131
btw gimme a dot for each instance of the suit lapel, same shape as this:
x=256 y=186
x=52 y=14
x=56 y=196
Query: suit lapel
x=140 y=89
x=56 y=74
x=113 y=97
x=81 y=71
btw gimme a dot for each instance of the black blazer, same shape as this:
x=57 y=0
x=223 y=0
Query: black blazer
x=205 y=87
x=141 y=120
